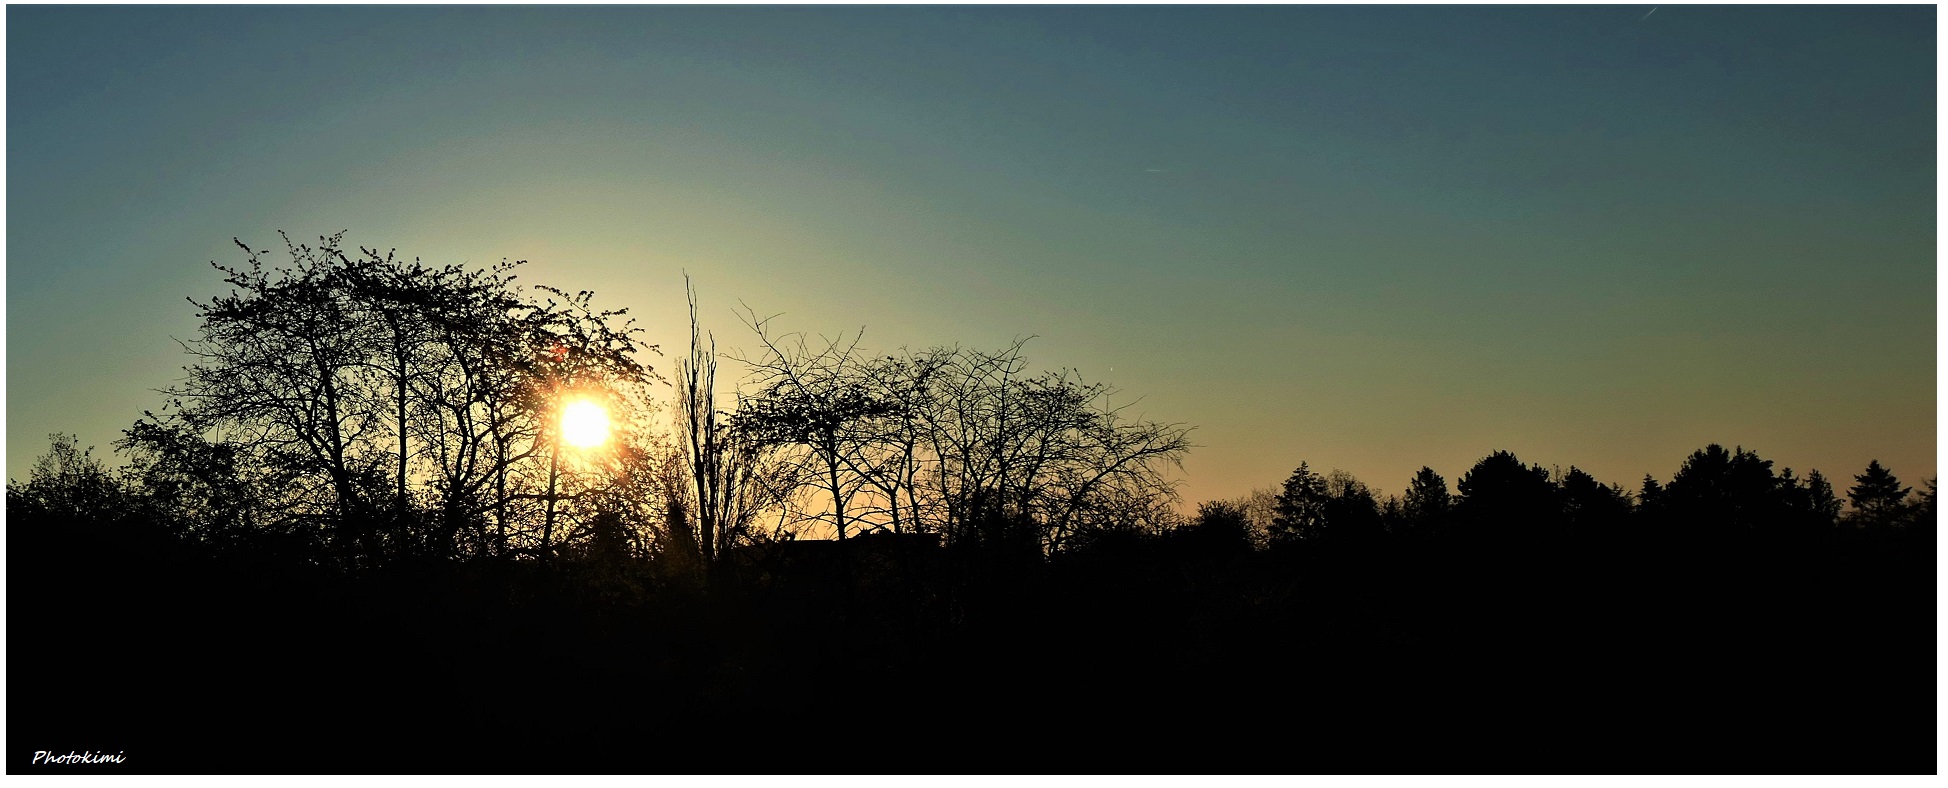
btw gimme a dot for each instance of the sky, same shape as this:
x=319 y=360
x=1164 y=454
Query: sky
x=1363 y=237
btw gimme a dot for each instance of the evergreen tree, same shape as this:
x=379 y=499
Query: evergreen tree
x=1301 y=510
x=1427 y=503
x=1824 y=505
x=1878 y=499
x=1393 y=517
x=1650 y=496
x=1924 y=515
x=1810 y=502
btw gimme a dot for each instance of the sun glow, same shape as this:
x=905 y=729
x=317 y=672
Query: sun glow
x=584 y=424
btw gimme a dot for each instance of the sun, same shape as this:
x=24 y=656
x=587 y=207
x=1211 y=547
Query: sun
x=584 y=424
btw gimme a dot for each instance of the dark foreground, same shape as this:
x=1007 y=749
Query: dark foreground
x=1746 y=654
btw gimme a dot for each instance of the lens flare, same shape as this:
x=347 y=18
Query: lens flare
x=584 y=424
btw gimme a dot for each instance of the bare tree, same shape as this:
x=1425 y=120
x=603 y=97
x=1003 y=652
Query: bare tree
x=964 y=443
x=280 y=367
x=1045 y=452
x=893 y=455
x=732 y=475
x=817 y=397
x=371 y=385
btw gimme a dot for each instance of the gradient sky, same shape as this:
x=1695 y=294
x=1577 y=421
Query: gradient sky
x=1366 y=237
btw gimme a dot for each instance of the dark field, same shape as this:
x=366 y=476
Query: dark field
x=1144 y=654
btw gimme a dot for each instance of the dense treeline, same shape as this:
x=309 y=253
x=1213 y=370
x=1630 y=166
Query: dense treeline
x=1714 y=491
x=355 y=539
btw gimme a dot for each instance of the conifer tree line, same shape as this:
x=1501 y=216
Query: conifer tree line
x=1713 y=491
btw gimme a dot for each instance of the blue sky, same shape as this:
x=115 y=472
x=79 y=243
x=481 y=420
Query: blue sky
x=1364 y=237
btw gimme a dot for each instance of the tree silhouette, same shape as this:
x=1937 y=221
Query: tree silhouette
x=1042 y=453
x=1500 y=497
x=1220 y=527
x=194 y=486
x=1650 y=497
x=1924 y=515
x=281 y=365
x=962 y=443
x=1352 y=513
x=67 y=483
x=1427 y=503
x=1809 y=505
x=818 y=398
x=1718 y=489
x=732 y=476
x=358 y=391
x=1590 y=506
x=1301 y=510
x=1822 y=505
x=1878 y=499
x=896 y=451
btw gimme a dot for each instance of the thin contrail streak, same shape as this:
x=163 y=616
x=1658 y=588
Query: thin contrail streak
x=1653 y=10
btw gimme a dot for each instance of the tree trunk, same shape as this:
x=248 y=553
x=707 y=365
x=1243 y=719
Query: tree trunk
x=548 y=522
